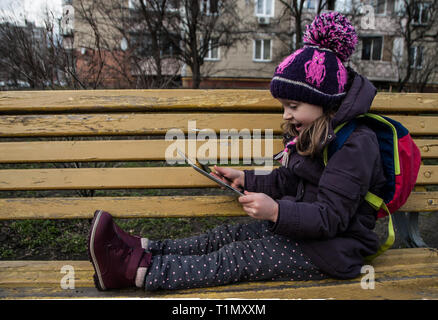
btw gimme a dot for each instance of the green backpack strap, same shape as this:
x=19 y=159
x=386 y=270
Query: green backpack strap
x=377 y=203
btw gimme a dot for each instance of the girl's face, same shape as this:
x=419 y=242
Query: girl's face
x=300 y=114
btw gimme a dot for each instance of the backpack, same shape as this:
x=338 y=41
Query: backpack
x=401 y=160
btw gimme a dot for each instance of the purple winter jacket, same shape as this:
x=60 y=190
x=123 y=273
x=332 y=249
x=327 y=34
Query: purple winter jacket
x=323 y=208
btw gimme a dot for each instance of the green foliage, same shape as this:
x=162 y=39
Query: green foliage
x=67 y=239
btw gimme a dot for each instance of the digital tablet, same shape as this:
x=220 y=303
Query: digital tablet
x=209 y=176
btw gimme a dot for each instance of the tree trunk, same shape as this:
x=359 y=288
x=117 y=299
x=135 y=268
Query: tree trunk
x=196 y=75
x=298 y=33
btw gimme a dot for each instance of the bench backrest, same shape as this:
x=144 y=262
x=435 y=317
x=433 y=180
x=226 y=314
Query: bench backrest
x=56 y=145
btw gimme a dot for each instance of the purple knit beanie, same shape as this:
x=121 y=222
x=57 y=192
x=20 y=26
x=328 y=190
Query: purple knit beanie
x=315 y=73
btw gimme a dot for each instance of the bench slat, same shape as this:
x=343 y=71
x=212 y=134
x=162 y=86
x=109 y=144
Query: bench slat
x=136 y=150
x=120 y=207
x=137 y=100
x=154 y=206
x=35 y=272
x=174 y=99
x=131 y=123
x=400 y=274
x=160 y=124
x=127 y=150
x=104 y=178
x=120 y=178
x=408 y=287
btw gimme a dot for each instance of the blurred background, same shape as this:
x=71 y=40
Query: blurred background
x=111 y=44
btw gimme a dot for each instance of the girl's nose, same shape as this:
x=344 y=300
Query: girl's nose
x=287 y=115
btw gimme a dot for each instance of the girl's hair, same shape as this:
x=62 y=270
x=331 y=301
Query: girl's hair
x=311 y=139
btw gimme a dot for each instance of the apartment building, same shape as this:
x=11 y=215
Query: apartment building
x=380 y=55
x=382 y=51
x=249 y=64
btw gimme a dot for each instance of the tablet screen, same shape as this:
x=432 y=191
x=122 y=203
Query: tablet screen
x=205 y=173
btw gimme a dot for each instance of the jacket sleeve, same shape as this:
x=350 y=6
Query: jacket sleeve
x=278 y=183
x=341 y=189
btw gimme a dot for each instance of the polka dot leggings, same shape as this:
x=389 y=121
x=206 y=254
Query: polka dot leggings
x=227 y=254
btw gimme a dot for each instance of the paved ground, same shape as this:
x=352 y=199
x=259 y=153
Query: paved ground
x=428 y=224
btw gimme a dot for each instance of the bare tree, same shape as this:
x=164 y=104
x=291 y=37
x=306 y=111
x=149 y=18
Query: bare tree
x=93 y=60
x=160 y=54
x=31 y=54
x=295 y=9
x=196 y=28
x=160 y=36
x=425 y=67
x=417 y=26
x=117 y=45
x=301 y=17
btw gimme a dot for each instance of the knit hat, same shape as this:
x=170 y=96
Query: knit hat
x=315 y=73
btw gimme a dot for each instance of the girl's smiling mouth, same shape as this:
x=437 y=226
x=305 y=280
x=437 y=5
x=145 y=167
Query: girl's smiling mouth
x=298 y=126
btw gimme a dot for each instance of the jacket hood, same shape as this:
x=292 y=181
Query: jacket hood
x=357 y=101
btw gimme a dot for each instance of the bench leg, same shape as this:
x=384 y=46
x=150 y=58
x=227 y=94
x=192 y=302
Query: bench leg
x=406 y=224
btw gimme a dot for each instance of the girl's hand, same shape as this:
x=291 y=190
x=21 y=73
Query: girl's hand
x=259 y=206
x=230 y=176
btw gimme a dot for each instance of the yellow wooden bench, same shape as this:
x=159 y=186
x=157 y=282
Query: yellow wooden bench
x=148 y=115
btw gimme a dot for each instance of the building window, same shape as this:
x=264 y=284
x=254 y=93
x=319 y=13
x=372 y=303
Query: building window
x=416 y=54
x=167 y=47
x=213 y=50
x=421 y=13
x=265 y=8
x=379 y=6
x=310 y=4
x=143 y=45
x=372 y=48
x=210 y=7
x=262 y=50
x=170 y=5
x=345 y=6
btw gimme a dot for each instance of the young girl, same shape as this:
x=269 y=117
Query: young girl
x=310 y=220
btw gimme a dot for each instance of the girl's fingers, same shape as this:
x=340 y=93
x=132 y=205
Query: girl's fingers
x=245 y=199
x=215 y=175
x=219 y=170
x=247 y=209
x=224 y=172
x=219 y=177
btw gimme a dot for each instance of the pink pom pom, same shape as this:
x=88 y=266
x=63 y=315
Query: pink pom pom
x=332 y=31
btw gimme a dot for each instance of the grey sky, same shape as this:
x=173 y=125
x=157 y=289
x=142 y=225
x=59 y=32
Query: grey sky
x=33 y=10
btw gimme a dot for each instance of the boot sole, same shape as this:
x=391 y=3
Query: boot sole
x=98 y=281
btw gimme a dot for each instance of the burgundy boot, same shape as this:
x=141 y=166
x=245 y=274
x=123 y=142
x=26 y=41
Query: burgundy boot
x=131 y=240
x=114 y=262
